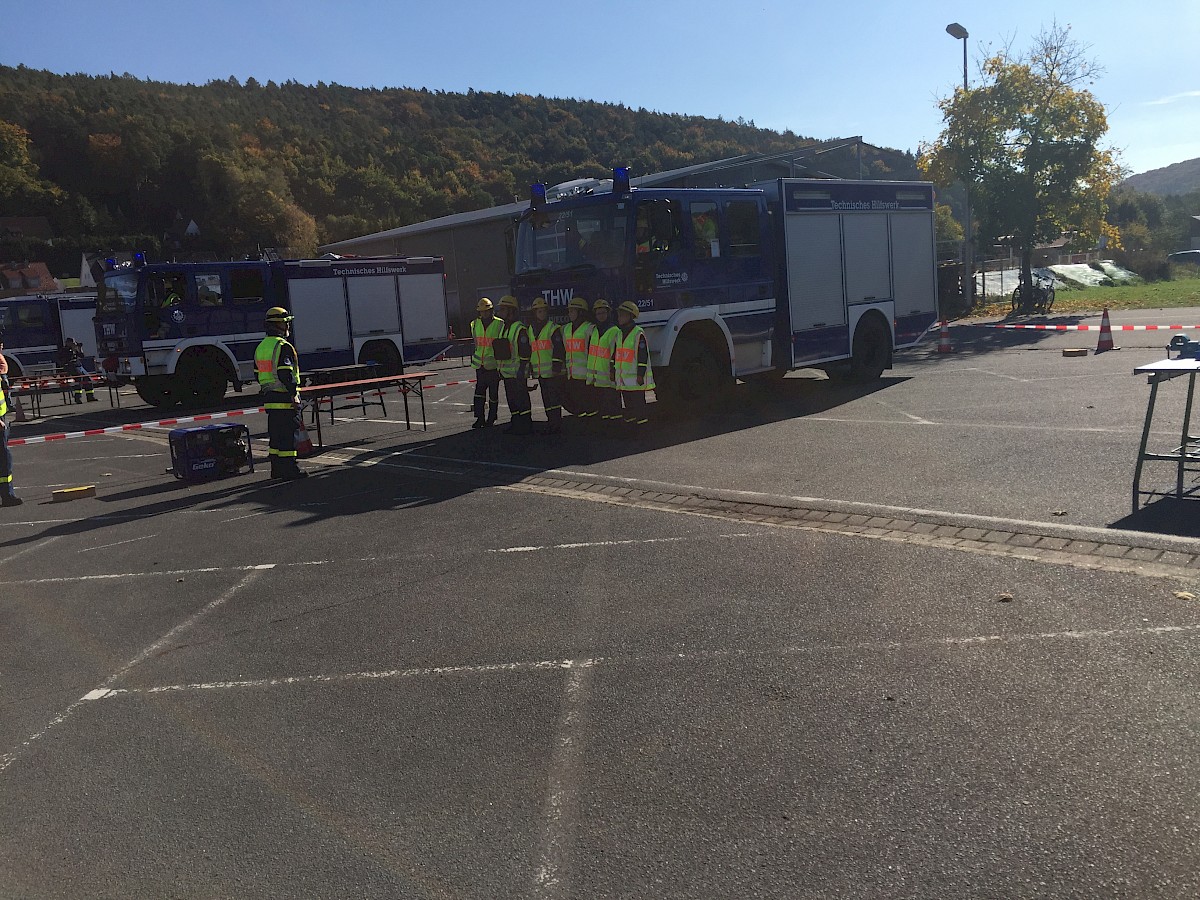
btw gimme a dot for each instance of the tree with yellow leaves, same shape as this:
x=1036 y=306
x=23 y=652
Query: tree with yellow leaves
x=1027 y=144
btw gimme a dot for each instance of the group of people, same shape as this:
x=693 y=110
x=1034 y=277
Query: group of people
x=596 y=369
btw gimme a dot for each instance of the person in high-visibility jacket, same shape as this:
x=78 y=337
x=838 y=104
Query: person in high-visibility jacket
x=515 y=368
x=7 y=497
x=577 y=334
x=634 y=376
x=485 y=330
x=278 y=369
x=602 y=348
x=549 y=359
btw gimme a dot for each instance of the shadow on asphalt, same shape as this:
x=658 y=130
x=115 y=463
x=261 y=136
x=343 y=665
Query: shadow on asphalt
x=1168 y=515
x=385 y=474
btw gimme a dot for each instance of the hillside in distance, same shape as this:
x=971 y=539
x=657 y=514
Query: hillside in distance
x=293 y=165
x=1175 y=179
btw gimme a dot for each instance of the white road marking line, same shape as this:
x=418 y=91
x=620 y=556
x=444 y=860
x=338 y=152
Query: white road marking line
x=30 y=549
x=666 y=540
x=897 y=409
x=118 y=543
x=561 y=789
x=71 y=578
x=1095 y=634
x=9 y=758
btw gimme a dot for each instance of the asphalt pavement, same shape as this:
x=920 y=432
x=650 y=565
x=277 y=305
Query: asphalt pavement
x=762 y=653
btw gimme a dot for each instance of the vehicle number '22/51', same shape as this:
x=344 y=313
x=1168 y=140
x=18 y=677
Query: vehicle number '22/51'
x=647 y=303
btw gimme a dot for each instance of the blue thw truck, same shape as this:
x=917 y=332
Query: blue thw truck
x=36 y=327
x=183 y=332
x=743 y=282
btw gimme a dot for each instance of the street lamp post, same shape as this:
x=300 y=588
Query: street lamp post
x=959 y=33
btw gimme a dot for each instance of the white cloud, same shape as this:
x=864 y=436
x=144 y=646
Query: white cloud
x=1171 y=99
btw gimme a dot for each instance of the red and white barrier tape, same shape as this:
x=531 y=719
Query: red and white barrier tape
x=24 y=385
x=1097 y=327
x=181 y=420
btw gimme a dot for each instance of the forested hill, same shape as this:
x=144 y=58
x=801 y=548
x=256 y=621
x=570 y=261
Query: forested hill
x=294 y=165
x=1178 y=178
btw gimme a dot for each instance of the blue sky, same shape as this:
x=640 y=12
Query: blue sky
x=869 y=68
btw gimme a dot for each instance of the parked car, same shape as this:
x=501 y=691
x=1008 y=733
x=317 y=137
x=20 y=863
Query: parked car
x=1185 y=256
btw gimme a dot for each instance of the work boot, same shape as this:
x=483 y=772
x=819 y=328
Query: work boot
x=291 y=471
x=478 y=423
x=79 y=398
x=92 y=398
x=10 y=500
x=276 y=472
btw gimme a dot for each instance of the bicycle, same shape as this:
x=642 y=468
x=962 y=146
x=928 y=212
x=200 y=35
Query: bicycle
x=1042 y=295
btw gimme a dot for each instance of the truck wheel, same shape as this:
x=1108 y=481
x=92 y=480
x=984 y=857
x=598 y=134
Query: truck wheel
x=872 y=350
x=698 y=381
x=385 y=356
x=200 y=380
x=160 y=391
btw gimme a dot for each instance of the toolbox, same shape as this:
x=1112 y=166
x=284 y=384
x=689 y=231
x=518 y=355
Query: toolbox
x=210 y=451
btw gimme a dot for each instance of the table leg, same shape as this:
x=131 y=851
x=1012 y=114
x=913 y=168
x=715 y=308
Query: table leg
x=424 y=418
x=1184 y=440
x=1137 y=471
x=404 y=389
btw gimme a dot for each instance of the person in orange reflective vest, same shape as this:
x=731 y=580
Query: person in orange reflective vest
x=577 y=335
x=602 y=345
x=548 y=360
x=514 y=369
x=634 y=376
x=278 y=369
x=485 y=330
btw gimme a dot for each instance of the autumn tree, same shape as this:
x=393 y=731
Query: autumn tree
x=1027 y=143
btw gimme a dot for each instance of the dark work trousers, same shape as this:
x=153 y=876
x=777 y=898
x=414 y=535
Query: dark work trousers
x=520 y=407
x=608 y=404
x=577 y=399
x=6 y=469
x=281 y=436
x=487 y=381
x=554 y=392
x=635 y=407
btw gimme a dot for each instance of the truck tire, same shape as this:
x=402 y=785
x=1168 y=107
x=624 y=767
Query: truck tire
x=697 y=381
x=385 y=356
x=872 y=350
x=159 y=391
x=200 y=379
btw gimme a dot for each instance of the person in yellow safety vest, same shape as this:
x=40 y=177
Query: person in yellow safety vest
x=602 y=345
x=515 y=369
x=485 y=330
x=634 y=376
x=278 y=369
x=7 y=497
x=549 y=358
x=577 y=334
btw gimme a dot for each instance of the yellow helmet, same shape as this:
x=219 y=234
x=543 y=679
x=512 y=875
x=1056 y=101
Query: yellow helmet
x=578 y=303
x=539 y=303
x=483 y=305
x=601 y=304
x=279 y=315
x=629 y=307
x=508 y=300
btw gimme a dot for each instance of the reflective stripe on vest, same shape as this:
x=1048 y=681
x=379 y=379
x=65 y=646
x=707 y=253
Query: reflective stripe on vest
x=483 y=357
x=542 y=356
x=600 y=353
x=627 y=364
x=575 y=339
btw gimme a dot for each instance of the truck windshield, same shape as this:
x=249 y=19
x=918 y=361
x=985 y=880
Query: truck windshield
x=550 y=241
x=117 y=294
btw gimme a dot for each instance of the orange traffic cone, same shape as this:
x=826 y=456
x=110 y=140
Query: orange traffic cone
x=1106 y=338
x=304 y=444
x=19 y=408
x=944 y=339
